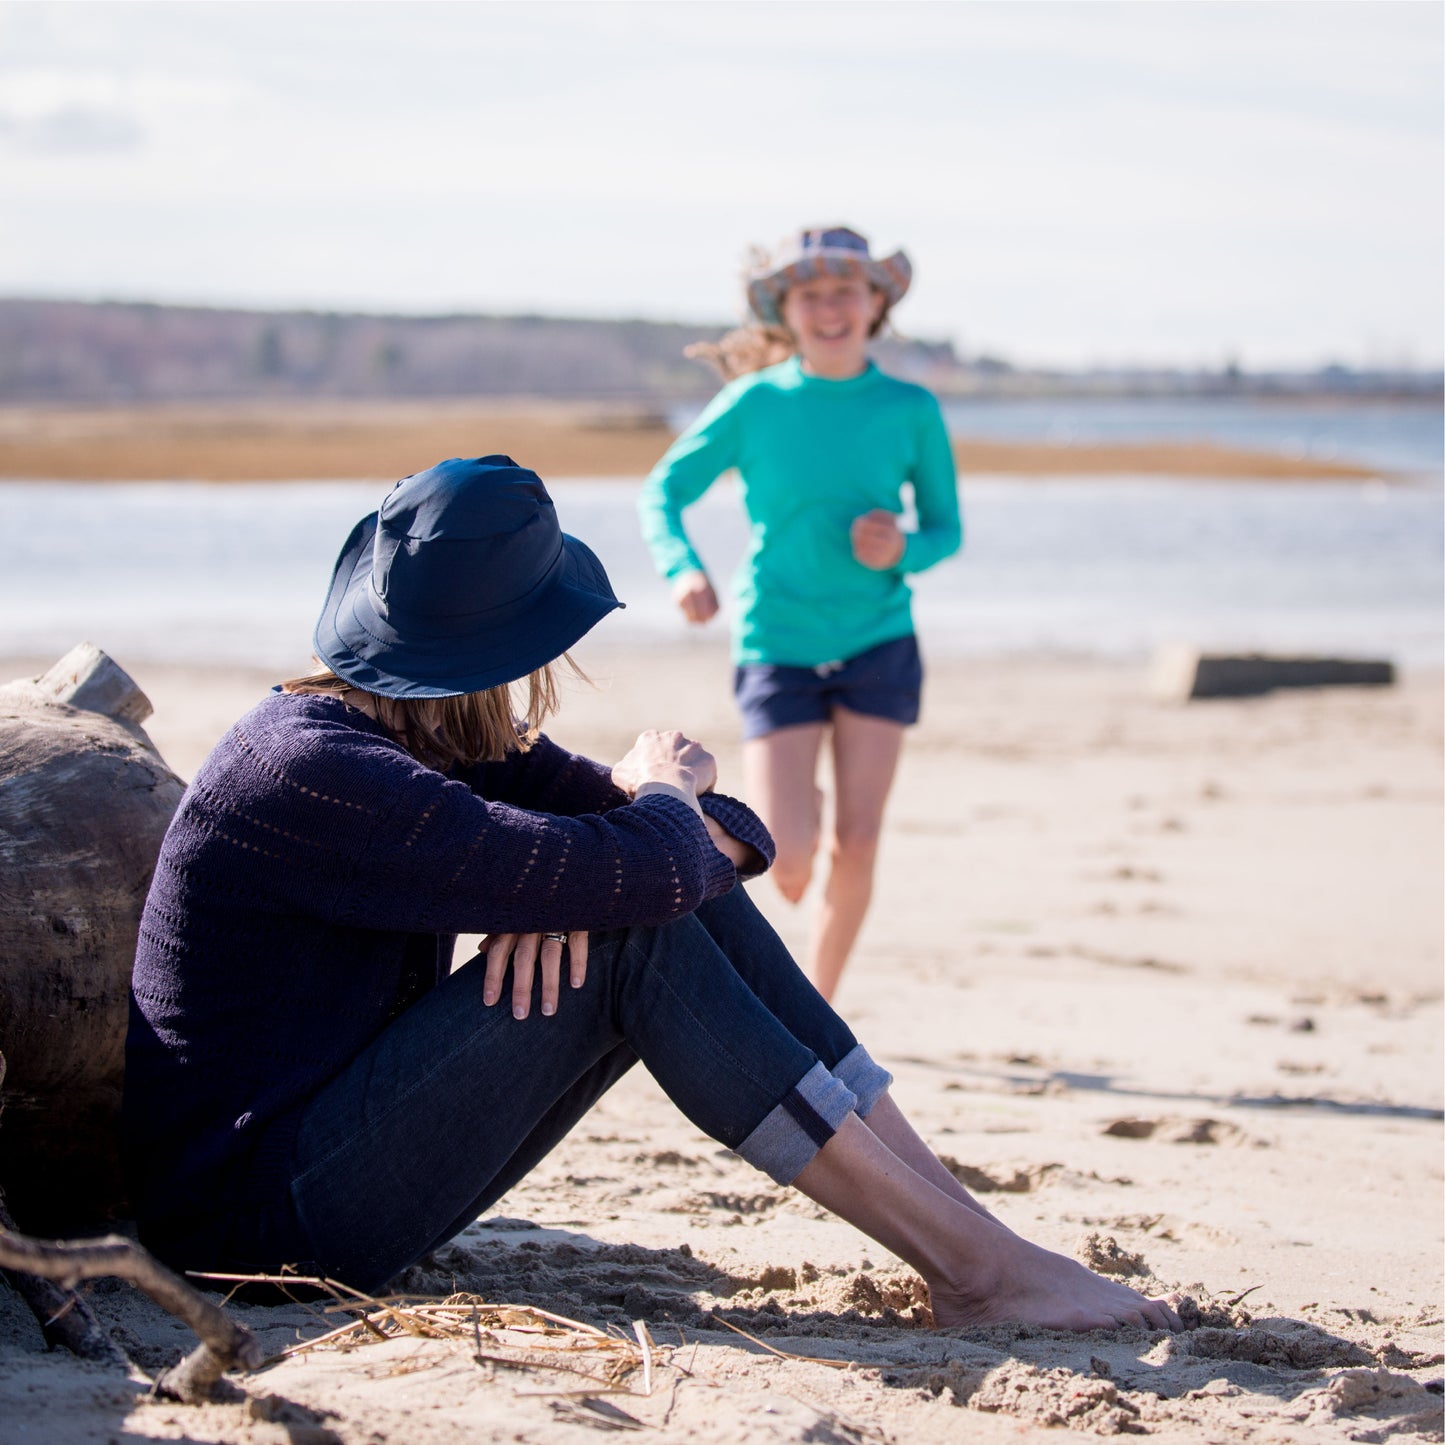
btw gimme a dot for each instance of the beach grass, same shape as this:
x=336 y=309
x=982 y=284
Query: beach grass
x=384 y=439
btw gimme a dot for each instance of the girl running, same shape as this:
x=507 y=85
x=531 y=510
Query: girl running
x=823 y=443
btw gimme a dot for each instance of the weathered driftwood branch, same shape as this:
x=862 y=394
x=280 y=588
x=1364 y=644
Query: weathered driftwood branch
x=225 y=1344
x=64 y=1317
x=87 y=678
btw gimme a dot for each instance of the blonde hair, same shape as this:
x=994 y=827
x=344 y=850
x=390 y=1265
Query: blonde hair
x=754 y=345
x=447 y=732
x=746 y=349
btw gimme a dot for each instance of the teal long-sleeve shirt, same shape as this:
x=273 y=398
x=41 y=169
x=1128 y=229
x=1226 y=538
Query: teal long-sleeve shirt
x=812 y=455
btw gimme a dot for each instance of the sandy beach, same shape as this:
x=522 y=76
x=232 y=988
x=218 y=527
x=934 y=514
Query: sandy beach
x=287 y=441
x=1164 y=983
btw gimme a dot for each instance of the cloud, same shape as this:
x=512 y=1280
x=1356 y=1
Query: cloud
x=49 y=112
x=73 y=130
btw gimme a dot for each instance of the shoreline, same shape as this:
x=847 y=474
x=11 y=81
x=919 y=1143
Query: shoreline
x=360 y=441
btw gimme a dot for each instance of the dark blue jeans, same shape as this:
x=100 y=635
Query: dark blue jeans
x=455 y=1102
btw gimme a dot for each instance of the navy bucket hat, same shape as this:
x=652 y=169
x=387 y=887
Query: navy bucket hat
x=460 y=581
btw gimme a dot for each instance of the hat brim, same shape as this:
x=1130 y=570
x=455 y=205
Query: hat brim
x=360 y=646
x=892 y=275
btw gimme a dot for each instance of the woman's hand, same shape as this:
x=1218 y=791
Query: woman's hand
x=694 y=595
x=878 y=541
x=666 y=757
x=524 y=949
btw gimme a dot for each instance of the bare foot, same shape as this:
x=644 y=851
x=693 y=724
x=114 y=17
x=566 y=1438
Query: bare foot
x=1037 y=1287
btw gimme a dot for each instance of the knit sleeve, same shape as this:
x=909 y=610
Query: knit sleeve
x=935 y=491
x=443 y=860
x=309 y=811
x=546 y=778
x=690 y=466
x=744 y=824
x=550 y=779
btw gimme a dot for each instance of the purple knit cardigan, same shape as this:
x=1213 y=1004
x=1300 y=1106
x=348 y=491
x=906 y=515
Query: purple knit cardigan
x=311 y=887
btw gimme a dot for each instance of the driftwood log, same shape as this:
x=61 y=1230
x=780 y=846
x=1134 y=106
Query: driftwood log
x=47 y=1273
x=84 y=803
x=1181 y=673
x=85 y=800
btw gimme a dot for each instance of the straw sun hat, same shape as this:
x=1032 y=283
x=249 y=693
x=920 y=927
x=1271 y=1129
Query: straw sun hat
x=822 y=251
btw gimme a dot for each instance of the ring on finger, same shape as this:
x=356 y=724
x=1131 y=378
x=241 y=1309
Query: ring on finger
x=555 y=937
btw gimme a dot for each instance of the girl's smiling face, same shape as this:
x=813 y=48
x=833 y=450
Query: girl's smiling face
x=830 y=318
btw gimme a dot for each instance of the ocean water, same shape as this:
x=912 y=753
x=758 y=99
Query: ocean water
x=1404 y=439
x=1096 y=567
x=1401 y=438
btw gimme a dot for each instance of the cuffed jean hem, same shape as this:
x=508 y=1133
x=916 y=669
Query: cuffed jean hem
x=784 y=1144
x=856 y=1070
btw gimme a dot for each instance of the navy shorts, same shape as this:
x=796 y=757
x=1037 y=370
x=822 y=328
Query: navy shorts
x=883 y=682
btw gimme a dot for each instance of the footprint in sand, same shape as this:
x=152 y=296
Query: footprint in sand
x=1103 y=1254
x=1288 y=1344
x=1173 y=1130
x=894 y=1295
x=736 y=1205
x=1136 y=873
x=998 y=1179
x=1051 y=1398
x=669 y=1158
x=1021 y=1178
x=1170 y=1228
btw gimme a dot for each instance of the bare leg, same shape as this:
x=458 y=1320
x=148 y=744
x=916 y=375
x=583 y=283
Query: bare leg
x=888 y=1122
x=865 y=757
x=977 y=1272
x=779 y=773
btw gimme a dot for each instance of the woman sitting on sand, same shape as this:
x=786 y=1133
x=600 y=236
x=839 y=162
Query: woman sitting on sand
x=310 y=1083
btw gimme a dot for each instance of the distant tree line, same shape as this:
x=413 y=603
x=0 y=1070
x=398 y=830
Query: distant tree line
x=128 y=352
x=98 y=352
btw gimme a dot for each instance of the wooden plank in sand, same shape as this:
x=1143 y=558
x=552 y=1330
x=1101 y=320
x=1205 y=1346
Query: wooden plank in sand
x=1182 y=673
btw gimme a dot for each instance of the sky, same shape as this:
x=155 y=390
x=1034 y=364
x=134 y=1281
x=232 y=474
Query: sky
x=1078 y=184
